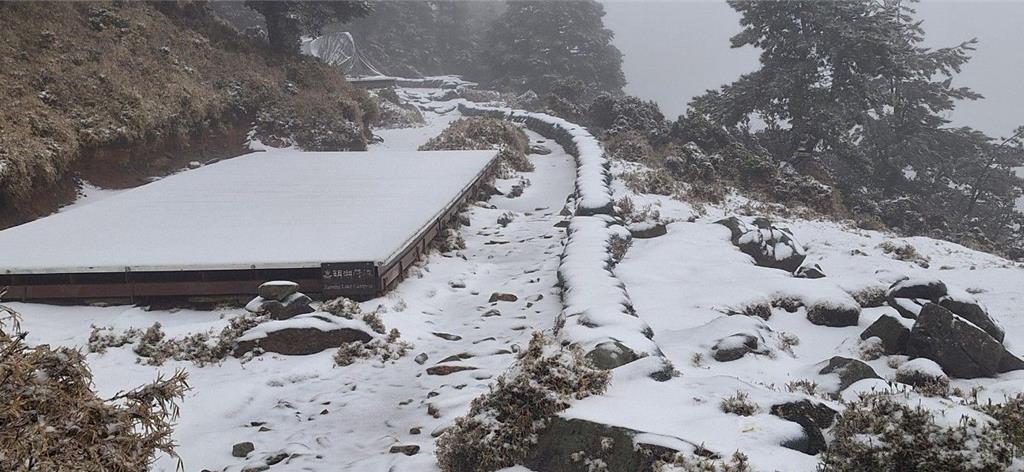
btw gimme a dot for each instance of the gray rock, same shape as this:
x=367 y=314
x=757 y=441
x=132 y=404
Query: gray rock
x=891 y=331
x=931 y=290
x=733 y=347
x=850 y=371
x=835 y=316
x=611 y=354
x=962 y=349
x=295 y=304
x=813 y=417
x=540 y=150
x=242 y=449
x=277 y=289
x=409 y=449
x=972 y=311
x=448 y=369
x=562 y=439
x=769 y=245
x=421 y=358
x=448 y=336
x=648 y=231
x=302 y=341
x=907 y=296
x=502 y=297
x=809 y=272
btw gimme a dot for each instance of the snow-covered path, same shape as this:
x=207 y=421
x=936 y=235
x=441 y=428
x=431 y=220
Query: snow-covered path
x=328 y=418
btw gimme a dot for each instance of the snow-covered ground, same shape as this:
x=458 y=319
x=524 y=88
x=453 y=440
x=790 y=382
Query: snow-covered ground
x=347 y=418
x=681 y=284
x=684 y=283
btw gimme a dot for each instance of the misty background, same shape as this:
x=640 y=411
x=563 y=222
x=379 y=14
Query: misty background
x=675 y=50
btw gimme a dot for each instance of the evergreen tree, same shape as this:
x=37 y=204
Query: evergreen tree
x=288 y=20
x=535 y=44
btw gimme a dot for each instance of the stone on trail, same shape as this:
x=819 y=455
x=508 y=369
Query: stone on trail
x=502 y=297
x=409 y=450
x=277 y=289
x=242 y=449
x=447 y=369
x=447 y=336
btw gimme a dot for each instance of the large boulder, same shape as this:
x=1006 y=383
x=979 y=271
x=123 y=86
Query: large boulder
x=909 y=295
x=768 y=245
x=813 y=417
x=301 y=336
x=835 y=315
x=849 y=371
x=960 y=347
x=966 y=307
x=559 y=445
x=731 y=348
x=891 y=331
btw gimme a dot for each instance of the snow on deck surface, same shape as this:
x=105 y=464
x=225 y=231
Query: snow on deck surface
x=281 y=208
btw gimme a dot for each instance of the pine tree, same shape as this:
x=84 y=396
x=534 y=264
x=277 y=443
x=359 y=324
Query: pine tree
x=288 y=20
x=534 y=44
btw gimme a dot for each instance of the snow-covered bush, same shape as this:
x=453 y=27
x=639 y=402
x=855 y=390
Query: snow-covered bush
x=387 y=348
x=350 y=309
x=738 y=404
x=629 y=146
x=654 y=181
x=395 y=113
x=482 y=133
x=316 y=123
x=51 y=419
x=154 y=348
x=879 y=432
x=903 y=251
x=503 y=423
x=738 y=462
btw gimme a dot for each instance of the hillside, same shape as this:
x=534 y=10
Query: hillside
x=116 y=92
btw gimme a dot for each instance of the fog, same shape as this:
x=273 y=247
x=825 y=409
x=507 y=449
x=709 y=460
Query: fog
x=675 y=50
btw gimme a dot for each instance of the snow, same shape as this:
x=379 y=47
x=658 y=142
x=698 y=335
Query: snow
x=680 y=286
x=281 y=208
x=925 y=367
x=370 y=405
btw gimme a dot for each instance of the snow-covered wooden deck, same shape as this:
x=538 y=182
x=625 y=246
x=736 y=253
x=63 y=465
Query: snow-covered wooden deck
x=223 y=228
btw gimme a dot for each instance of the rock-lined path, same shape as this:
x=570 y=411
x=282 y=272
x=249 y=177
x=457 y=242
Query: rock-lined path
x=303 y=413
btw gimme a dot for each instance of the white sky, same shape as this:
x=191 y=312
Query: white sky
x=676 y=49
